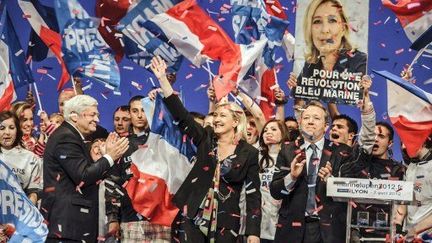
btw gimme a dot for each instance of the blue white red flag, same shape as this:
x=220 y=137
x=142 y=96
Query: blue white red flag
x=161 y=166
x=18 y=211
x=195 y=36
x=413 y=15
x=85 y=51
x=19 y=70
x=37 y=49
x=51 y=38
x=252 y=22
x=7 y=90
x=412 y=118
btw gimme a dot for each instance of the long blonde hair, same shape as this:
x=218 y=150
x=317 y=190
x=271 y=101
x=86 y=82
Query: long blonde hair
x=311 y=52
x=238 y=115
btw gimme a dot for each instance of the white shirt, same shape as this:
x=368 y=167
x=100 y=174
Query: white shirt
x=26 y=165
x=420 y=173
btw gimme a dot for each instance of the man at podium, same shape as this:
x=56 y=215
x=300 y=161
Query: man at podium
x=307 y=214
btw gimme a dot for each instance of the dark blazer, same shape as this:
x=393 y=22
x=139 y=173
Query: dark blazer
x=292 y=211
x=244 y=169
x=67 y=164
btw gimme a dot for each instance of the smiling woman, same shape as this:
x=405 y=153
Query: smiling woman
x=25 y=164
x=331 y=61
x=209 y=197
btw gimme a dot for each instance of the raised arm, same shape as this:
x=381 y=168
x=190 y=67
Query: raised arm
x=186 y=122
x=368 y=117
x=298 y=103
x=280 y=102
x=253 y=108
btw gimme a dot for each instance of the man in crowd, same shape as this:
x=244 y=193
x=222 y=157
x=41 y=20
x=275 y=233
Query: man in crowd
x=68 y=94
x=306 y=213
x=418 y=216
x=134 y=227
x=70 y=200
x=122 y=120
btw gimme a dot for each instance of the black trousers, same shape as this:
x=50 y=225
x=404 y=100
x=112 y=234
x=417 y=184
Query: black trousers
x=312 y=232
x=188 y=232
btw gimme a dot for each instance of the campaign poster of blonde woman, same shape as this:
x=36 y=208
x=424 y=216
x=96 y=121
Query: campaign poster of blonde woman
x=331 y=49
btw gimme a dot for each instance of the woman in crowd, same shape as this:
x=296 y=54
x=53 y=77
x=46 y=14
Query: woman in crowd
x=209 y=197
x=26 y=165
x=271 y=139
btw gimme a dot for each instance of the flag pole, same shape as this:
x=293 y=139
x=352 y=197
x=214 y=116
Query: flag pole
x=417 y=57
x=37 y=96
x=73 y=85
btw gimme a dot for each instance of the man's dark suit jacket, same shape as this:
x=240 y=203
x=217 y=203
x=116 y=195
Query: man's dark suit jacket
x=72 y=213
x=292 y=212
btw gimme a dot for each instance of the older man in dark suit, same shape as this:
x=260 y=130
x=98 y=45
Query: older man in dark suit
x=70 y=202
x=307 y=215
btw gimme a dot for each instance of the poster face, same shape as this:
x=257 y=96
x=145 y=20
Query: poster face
x=331 y=49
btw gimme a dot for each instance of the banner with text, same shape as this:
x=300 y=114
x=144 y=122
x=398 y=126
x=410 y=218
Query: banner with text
x=331 y=50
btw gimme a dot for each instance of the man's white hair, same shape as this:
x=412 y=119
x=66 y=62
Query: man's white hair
x=77 y=105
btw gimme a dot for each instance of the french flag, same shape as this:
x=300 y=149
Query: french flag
x=414 y=15
x=197 y=37
x=159 y=167
x=51 y=38
x=14 y=72
x=411 y=118
x=253 y=21
x=37 y=50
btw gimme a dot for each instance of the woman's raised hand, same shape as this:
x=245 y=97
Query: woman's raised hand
x=158 y=66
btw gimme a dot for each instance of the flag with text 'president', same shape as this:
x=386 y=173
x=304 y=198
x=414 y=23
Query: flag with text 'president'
x=252 y=22
x=144 y=41
x=18 y=211
x=51 y=38
x=410 y=111
x=85 y=52
x=161 y=166
x=195 y=36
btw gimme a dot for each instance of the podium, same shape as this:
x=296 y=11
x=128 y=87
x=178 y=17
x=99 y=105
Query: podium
x=370 y=191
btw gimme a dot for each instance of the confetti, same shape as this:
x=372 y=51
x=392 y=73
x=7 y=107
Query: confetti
x=280 y=59
x=276 y=9
x=42 y=71
x=19 y=52
x=296 y=224
x=128 y=68
x=413 y=5
x=397 y=52
x=429 y=81
x=212 y=28
x=261 y=98
x=387 y=19
x=189 y=76
x=49 y=75
x=373 y=93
